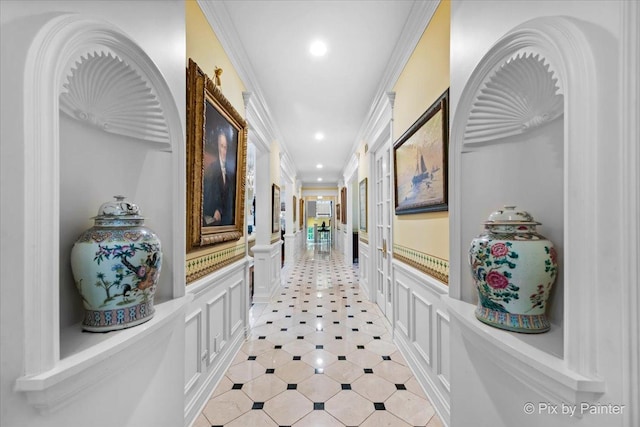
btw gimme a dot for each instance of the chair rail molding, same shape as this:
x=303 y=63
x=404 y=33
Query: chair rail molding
x=564 y=44
x=57 y=46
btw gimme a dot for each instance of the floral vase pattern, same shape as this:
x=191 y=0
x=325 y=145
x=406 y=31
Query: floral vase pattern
x=116 y=265
x=514 y=269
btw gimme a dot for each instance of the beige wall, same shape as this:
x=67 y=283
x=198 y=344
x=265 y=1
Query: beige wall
x=423 y=80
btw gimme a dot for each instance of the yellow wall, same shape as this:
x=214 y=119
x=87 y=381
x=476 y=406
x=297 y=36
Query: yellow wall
x=205 y=49
x=423 y=80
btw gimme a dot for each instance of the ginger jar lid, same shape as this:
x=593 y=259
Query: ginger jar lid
x=118 y=209
x=509 y=215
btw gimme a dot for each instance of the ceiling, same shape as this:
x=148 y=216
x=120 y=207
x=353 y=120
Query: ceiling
x=305 y=94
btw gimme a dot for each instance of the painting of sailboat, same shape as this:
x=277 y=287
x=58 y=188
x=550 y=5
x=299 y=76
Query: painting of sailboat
x=420 y=156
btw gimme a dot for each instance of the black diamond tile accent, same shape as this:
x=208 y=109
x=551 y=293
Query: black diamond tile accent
x=360 y=347
x=319 y=347
x=348 y=305
x=303 y=322
x=366 y=371
x=346 y=386
x=237 y=386
x=319 y=371
x=369 y=322
x=305 y=311
x=300 y=337
x=376 y=338
x=288 y=316
x=338 y=337
x=297 y=357
x=270 y=371
x=257 y=405
x=277 y=347
x=269 y=322
x=334 y=311
x=275 y=311
x=386 y=357
x=251 y=357
x=283 y=329
x=379 y=406
x=292 y=386
x=261 y=337
x=364 y=311
x=400 y=387
x=350 y=316
x=354 y=329
x=318 y=406
x=318 y=316
x=336 y=322
x=342 y=357
x=281 y=294
x=292 y=305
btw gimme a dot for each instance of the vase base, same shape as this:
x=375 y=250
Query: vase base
x=523 y=323
x=118 y=318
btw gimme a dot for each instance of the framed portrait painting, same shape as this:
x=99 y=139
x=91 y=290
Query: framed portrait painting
x=363 y=205
x=216 y=162
x=420 y=160
x=294 y=205
x=301 y=213
x=275 y=214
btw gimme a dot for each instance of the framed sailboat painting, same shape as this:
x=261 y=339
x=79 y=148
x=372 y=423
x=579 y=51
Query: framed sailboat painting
x=420 y=162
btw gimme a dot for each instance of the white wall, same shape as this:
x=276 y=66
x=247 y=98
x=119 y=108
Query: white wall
x=146 y=391
x=482 y=390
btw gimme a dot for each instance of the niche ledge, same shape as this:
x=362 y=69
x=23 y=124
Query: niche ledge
x=543 y=372
x=73 y=375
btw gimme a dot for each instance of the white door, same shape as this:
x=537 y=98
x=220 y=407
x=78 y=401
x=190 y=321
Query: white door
x=383 y=206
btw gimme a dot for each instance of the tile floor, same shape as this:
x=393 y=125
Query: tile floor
x=318 y=355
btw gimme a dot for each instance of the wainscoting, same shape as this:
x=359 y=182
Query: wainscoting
x=421 y=331
x=215 y=326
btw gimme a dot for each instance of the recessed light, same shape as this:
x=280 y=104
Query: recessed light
x=319 y=179
x=318 y=48
x=319 y=136
x=319 y=165
x=319 y=197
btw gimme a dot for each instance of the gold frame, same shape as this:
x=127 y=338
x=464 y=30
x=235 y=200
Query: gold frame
x=200 y=92
x=301 y=213
x=363 y=210
x=294 y=205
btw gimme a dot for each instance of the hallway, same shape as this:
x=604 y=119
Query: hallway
x=318 y=355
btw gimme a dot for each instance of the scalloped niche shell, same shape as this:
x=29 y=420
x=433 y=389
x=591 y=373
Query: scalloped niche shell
x=108 y=93
x=520 y=95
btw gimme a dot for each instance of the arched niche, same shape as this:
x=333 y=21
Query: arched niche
x=96 y=74
x=531 y=85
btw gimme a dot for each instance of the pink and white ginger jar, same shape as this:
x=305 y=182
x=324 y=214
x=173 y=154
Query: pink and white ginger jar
x=514 y=269
x=116 y=265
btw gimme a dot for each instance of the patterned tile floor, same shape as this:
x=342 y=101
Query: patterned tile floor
x=318 y=355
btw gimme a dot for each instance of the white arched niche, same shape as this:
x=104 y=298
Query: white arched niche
x=527 y=96
x=111 y=90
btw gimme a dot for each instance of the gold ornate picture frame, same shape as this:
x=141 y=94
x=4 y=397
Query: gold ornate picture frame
x=216 y=164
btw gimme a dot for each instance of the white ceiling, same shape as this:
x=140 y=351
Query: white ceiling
x=305 y=94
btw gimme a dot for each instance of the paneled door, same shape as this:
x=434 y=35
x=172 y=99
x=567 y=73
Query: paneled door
x=382 y=218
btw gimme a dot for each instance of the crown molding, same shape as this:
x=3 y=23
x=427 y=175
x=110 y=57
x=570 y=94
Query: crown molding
x=220 y=21
x=419 y=18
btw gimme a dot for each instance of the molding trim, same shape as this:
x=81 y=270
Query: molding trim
x=201 y=265
x=428 y=264
x=565 y=44
x=220 y=21
x=419 y=18
x=542 y=372
x=630 y=182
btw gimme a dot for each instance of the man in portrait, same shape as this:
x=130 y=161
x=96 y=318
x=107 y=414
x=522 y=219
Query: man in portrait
x=219 y=179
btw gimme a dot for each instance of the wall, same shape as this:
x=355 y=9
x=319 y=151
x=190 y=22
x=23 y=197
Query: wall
x=482 y=385
x=424 y=78
x=216 y=320
x=148 y=390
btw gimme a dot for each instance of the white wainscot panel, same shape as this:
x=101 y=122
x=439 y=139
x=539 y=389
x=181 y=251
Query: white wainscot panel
x=422 y=330
x=193 y=350
x=443 y=368
x=236 y=304
x=403 y=311
x=216 y=325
